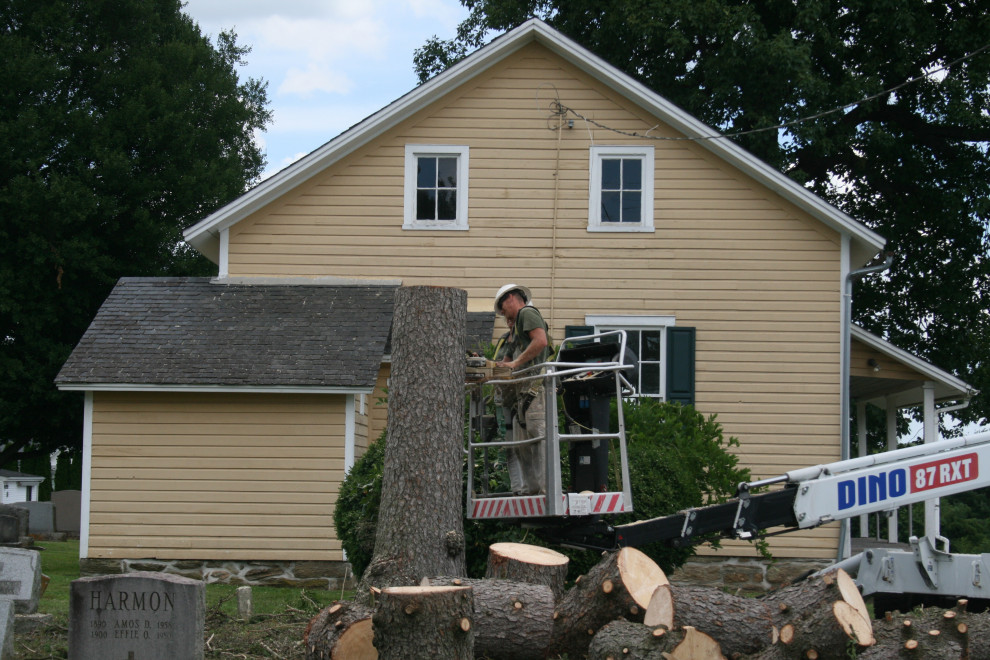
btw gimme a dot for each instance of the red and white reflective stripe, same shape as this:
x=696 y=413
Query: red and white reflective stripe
x=607 y=503
x=509 y=507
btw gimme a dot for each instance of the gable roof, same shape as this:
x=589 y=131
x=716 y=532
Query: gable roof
x=205 y=235
x=11 y=475
x=190 y=332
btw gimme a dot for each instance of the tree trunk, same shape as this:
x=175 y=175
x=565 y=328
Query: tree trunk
x=931 y=632
x=624 y=639
x=528 y=563
x=420 y=520
x=620 y=585
x=821 y=615
x=512 y=620
x=425 y=622
x=341 y=631
x=739 y=625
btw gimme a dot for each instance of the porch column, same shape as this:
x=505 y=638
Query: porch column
x=864 y=520
x=891 y=445
x=932 y=513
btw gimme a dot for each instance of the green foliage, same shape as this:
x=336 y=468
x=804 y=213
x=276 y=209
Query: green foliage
x=355 y=515
x=677 y=458
x=68 y=470
x=39 y=464
x=120 y=124
x=964 y=521
x=913 y=164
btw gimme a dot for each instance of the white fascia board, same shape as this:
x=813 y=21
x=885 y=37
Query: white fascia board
x=724 y=148
x=913 y=361
x=246 y=389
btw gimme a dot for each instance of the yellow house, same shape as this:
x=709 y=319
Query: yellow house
x=531 y=161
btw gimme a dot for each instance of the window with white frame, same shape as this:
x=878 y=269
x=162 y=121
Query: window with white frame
x=436 y=187
x=646 y=336
x=621 y=189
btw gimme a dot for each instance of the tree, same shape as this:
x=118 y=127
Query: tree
x=905 y=153
x=420 y=530
x=119 y=125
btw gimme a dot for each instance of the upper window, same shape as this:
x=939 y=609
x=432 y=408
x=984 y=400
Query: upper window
x=436 y=187
x=621 y=189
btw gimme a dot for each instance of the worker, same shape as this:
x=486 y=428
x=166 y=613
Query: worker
x=528 y=344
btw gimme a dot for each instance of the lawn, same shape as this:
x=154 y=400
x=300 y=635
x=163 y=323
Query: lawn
x=275 y=630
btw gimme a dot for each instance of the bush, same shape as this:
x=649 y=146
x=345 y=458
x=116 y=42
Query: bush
x=677 y=459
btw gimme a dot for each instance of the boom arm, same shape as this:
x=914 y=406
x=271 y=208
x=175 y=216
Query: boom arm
x=810 y=497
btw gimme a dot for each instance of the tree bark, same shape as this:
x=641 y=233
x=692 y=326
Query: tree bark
x=620 y=585
x=739 y=625
x=512 y=620
x=528 y=563
x=425 y=622
x=821 y=615
x=341 y=631
x=624 y=639
x=931 y=632
x=420 y=520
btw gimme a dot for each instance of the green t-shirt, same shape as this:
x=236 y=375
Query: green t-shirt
x=527 y=320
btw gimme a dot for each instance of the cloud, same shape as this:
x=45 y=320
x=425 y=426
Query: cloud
x=316 y=78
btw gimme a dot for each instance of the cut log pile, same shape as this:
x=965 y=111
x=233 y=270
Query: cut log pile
x=624 y=607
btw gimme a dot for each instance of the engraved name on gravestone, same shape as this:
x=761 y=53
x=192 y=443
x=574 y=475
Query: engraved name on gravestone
x=146 y=616
x=20 y=578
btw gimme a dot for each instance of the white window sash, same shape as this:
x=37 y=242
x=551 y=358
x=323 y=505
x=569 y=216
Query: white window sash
x=646 y=156
x=413 y=153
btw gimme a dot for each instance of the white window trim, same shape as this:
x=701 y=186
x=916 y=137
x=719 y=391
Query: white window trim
x=413 y=151
x=646 y=154
x=602 y=322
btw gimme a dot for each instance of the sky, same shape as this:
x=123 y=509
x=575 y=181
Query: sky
x=328 y=63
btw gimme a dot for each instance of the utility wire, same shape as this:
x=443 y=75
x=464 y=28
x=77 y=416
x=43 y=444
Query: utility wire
x=560 y=110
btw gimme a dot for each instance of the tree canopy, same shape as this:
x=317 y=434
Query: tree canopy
x=899 y=93
x=120 y=123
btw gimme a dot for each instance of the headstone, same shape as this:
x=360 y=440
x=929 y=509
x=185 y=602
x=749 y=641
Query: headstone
x=6 y=629
x=13 y=524
x=20 y=578
x=41 y=516
x=144 y=615
x=68 y=505
x=244 y=605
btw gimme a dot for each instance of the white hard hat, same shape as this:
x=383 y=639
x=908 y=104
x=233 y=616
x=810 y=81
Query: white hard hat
x=523 y=291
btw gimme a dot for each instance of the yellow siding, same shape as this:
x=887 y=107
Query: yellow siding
x=861 y=354
x=215 y=476
x=757 y=277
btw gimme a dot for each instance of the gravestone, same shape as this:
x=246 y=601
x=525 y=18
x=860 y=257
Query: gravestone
x=144 y=615
x=41 y=518
x=20 y=579
x=6 y=629
x=13 y=524
x=68 y=506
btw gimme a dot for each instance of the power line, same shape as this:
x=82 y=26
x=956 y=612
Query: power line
x=561 y=111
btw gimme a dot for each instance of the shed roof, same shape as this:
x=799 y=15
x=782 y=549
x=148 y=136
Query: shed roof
x=192 y=332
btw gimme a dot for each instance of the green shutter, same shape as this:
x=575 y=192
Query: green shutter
x=578 y=330
x=680 y=364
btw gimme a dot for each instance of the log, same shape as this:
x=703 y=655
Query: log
x=528 y=563
x=425 y=622
x=341 y=631
x=961 y=634
x=513 y=620
x=620 y=585
x=821 y=616
x=739 y=625
x=625 y=639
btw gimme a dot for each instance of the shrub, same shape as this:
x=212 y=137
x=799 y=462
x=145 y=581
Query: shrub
x=678 y=458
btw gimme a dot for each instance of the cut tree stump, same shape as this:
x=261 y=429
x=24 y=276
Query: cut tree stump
x=739 y=625
x=620 y=585
x=512 y=620
x=821 y=615
x=528 y=563
x=425 y=622
x=624 y=639
x=341 y=631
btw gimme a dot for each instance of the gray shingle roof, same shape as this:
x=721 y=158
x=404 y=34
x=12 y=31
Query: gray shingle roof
x=189 y=331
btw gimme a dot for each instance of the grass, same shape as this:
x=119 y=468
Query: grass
x=275 y=630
